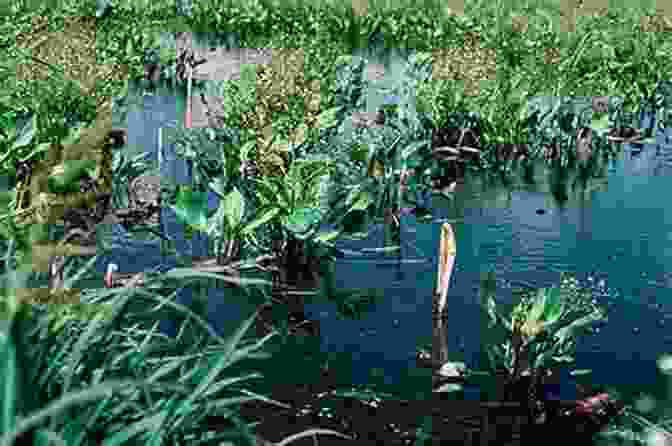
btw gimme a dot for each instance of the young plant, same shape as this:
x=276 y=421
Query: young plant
x=541 y=330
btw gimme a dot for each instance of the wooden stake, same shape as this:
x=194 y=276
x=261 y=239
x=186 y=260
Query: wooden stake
x=447 y=252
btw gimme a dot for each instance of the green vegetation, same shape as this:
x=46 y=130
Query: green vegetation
x=513 y=74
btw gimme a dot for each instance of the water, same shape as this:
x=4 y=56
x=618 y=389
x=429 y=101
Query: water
x=619 y=234
x=616 y=232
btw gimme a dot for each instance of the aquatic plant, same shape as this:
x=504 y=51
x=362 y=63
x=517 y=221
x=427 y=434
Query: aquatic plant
x=542 y=328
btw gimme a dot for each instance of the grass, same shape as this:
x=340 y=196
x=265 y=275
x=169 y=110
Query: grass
x=130 y=384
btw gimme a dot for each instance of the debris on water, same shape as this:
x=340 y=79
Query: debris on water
x=541 y=211
x=636 y=330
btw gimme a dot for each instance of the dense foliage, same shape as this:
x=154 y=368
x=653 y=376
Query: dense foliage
x=112 y=376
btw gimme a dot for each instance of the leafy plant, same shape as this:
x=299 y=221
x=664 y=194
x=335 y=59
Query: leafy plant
x=295 y=200
x=541 y=330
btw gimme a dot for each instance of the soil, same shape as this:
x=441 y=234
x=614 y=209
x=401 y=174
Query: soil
x=389 y=422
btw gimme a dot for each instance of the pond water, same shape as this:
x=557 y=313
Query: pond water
x=617 y=233
x=617 y=238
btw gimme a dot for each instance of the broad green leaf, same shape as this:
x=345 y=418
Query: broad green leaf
x=234 y=208
x=191 y=207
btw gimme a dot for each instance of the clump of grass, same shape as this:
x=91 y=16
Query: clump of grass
x=115 y=378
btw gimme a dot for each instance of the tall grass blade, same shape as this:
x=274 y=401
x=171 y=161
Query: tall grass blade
x=150 y=424
x=63 y=403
